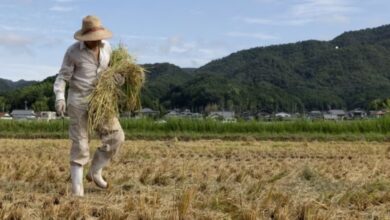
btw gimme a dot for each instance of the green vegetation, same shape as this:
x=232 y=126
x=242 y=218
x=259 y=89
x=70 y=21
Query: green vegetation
x=39 y=96
x=373 y=129
x=161 y=83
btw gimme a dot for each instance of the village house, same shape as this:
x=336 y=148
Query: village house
x=147 y=112
x=282 y=115
x=222 y=115
x=5 y=116
x=188 y=114
x=247 y=116
x=377 y=114
x=315 y=115
x=264 y=116
x=357 y=114
x=47 y=115
x=176 y=113
x=23 y=114
x=335 y=114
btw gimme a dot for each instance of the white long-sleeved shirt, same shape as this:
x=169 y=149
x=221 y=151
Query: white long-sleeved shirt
x=81 y=70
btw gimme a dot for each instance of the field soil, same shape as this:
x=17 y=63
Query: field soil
x=204 y=179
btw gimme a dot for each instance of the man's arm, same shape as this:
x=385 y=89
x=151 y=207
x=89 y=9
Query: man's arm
x=66 y=72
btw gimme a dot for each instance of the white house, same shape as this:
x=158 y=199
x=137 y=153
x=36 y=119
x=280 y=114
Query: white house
x=282 y=115
x=172 y=114
x=23 y=114
x=357 y=114
x=330 y=117
x=339 y=114
x=176 y=113
x=47 y=115
x=147 y=112
x=224 y=115
x=5 y=116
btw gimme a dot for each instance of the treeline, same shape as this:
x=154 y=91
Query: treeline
x=38 y=96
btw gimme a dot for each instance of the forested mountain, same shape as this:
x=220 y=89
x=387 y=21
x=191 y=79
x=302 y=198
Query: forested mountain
x=8 y=85
x=38 y=96
x=161 y=81
x=350 y=71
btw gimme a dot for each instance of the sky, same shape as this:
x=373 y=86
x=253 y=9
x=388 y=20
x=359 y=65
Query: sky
x=34 y=34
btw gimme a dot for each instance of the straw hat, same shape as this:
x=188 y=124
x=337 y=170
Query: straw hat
x=92 y=30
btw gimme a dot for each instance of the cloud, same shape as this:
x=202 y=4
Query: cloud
x=63 y=1
x=175 y=49
x=303 y=12
x=328 y=11
x=7 y=6
x=11 y=39
x=176 y=45
x=192 y=53
x=321 y=8
x=275 y=22
x=140 y=37
x=268 y=1
x=18 y=44
x=58 y=8
x=16 y=28
x=24 y=1
x=17 y=71
x=196 y=12
x=256 y=21
x=260 y=36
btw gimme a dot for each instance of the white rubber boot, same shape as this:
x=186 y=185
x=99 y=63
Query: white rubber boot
x=76 y=173
x=95 y=172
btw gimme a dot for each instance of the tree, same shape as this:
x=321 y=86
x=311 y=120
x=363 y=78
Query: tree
x=41 y=105
x=211 y=108
x=3 y=104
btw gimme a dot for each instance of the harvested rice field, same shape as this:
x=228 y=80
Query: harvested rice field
x=202 y=179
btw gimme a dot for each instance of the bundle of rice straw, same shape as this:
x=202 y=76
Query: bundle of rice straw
x=104 y=100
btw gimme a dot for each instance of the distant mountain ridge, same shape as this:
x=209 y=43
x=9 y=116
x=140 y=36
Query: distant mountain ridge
x=8 y=85
x=350 y=71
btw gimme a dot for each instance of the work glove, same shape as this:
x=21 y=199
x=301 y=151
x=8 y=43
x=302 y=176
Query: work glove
x=119 y=79
x=60 y=107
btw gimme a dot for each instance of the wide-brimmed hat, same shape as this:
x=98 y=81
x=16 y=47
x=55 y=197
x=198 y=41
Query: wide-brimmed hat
x=92 y=30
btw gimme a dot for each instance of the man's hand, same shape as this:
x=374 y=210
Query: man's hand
x=60 y=107
x=119 y=79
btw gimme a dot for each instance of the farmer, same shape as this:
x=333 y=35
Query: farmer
x=82 y=65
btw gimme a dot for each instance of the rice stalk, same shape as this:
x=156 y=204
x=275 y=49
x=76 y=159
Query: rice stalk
x=183 y=204
x=106 y=98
